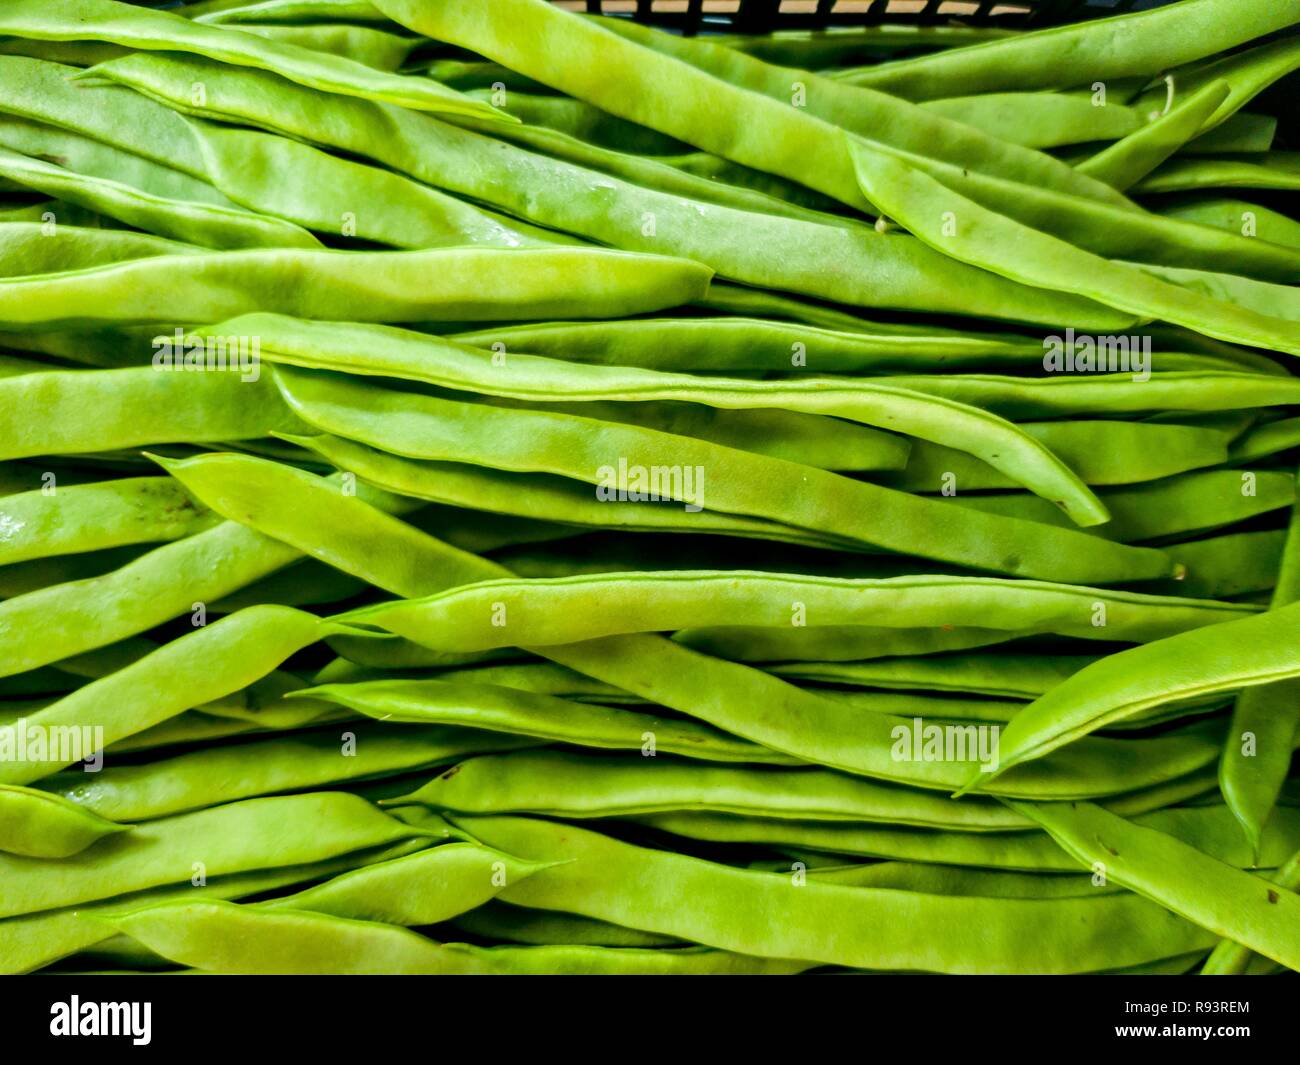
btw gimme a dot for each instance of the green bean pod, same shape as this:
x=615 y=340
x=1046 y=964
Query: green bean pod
x=519 y=612
x=479 y=705
x=105 y=20
x=226 y=937
x=172 y=679
x=316 y=759
x=860 y=927
x=194 y=222
x=40 y=825
x=235 y=838
x=1245 y=908
x=1218 y=658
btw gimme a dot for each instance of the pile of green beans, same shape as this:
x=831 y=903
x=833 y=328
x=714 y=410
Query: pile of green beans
x=491 y=490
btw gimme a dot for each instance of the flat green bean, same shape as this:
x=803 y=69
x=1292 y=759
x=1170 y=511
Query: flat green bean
x=39 y=247
x=889 y=270
x=483 y=283
x=1265 y=721
x=519 y=612
x=1238 y=216
x=92 y=517
x=748 y=344
x=1210 y=829
x=1272 y=170
x=339 y=195
x=38 y=939
x=1014 y=676
x=559 y=784
x=195 y=222
x=484 y=705
x=983 y=238
x=1101 y=451
x=39 y=825
x=226 y=937
x=320 y=758
x=389 y=352
x=861 y=927
x=516 y=924
x=155 y=688
x=1225 y=657
x=91 y=410
x=1142 y=43
x=1230 y=957
x=1124 y=163
x=428 y=887
x=234 y=838
x=541 y=497
x=429 y=428
x=1179 y=877
x=125 y=24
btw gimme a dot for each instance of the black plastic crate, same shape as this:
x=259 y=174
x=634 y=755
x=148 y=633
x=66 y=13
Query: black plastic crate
x=765 y=16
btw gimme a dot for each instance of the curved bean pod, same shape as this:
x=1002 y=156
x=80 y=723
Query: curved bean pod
x=1210 y=829
x=428 y=887
x=438 y=361
x=92 y=410
x=235 y=838
x=430 y=428
x=861 y=927
x=1130 y=159
x=73 y=20
x=1247 y=72
x=1265 y=721
x=172 y=679
x=479 y=705
x=229 y=938
x=1143 y=43
x=982 y=238
x=92 y=517
x=558 y=784
x=195 y=222
x=518 y=612
x=474 y=283
x=40 y=825
x=1101 y=451
x=1180 y=878
x=1217 y=658
x=33 y=248
x=205 y=777
x=1172 y=506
